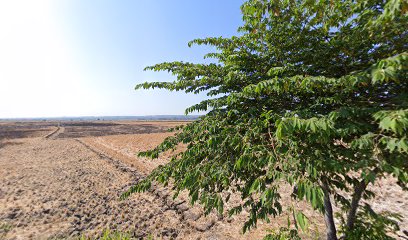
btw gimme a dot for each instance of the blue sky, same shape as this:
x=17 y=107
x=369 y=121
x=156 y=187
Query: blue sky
x=84 y=57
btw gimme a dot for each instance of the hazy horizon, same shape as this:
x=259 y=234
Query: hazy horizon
x=164 y=116
x=83 y=58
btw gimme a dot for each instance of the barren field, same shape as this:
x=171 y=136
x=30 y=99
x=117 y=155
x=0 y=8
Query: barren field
x=63 y=180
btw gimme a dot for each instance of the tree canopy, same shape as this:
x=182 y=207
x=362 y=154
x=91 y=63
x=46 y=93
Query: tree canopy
x=310 y=93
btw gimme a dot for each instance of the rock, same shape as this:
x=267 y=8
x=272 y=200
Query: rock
x=192 y=216
x=169 y=232
x=205 y=226
x=12 y=215
x=182 y=207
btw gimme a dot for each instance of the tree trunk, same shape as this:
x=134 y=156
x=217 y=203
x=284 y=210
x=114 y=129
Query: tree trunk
x=328 y=213
x=351 y=216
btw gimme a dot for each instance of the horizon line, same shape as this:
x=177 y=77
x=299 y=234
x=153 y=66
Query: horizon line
x=108 y=116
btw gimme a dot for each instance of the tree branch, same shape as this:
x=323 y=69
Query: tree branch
x=358 y=192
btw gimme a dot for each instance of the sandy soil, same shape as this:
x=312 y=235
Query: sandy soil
x=62 y=188
x=63 y=181
x=59 y=188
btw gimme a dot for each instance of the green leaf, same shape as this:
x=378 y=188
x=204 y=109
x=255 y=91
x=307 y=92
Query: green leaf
x=302 y=221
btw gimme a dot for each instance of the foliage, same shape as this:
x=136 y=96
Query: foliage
x=311 y=93
x=112 y=235
x=371 y=225
x=283 y=234
x=4 y=229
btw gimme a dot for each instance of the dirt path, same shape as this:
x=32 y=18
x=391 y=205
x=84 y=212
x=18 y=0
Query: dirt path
x=54 y=134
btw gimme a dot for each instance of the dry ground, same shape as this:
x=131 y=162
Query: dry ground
x=63 y=180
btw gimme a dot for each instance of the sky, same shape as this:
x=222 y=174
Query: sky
x=84 y=57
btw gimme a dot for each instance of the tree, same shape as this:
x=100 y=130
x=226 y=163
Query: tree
x=311 y=93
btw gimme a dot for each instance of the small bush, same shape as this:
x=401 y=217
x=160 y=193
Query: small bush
x=113 y=235
x=283 y=234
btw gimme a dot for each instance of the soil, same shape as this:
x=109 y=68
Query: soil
x=63 y=180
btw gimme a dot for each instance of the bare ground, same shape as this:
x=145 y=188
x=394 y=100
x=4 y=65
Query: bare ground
x=63 y=182
x=63 y=188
